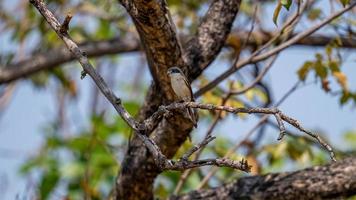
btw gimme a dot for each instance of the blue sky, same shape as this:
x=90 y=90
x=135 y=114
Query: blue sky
x=22 y=123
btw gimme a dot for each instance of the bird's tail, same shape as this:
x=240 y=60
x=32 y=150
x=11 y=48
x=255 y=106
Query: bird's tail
x=193 y=115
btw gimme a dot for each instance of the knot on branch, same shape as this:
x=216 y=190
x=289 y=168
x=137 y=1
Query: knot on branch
x=83 y=74
x=65 y=25
x=241 y=165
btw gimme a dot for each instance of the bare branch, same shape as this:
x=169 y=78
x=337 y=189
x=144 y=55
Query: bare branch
x=197 y=147
x=208 y=134
x=281 y=126
x=56 y=57
x=161 y=161
x=297 y=125
x=116 y=102
x=65 y=25
x=263 y=120
x=83 y=60
x=220 y=162
x=172 y=131
x=141 y=129
x=284 y=45
x=258 y=78
x=272 y=111
x=308 y=183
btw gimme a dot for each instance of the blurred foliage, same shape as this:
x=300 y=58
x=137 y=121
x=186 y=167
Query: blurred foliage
x=86 y=163
x=327 y=66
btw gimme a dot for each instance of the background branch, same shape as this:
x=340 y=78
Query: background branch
x=56 y=57
x=256 y=58
x=59 y=56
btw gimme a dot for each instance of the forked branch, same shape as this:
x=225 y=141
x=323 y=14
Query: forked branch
x=141 y=129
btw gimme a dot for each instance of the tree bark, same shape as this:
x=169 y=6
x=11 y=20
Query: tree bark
x=157 y=33
x=332 y=181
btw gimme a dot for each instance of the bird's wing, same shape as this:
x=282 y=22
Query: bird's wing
x=190 y=88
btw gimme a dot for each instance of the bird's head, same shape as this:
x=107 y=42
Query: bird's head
x=174 y=70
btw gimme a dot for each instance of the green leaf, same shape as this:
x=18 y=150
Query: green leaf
x=314 y=14
x=48 y=182
x=132 y=107
x=40 y=79
x=345 y=2
x=286 y=3
x=350 y=138
x=29 y=165
x=320 y=70
x=334 y=66
x=344 y=98
x=104 y=30
x=303 y=71
x=296 y=148
x=276 y=12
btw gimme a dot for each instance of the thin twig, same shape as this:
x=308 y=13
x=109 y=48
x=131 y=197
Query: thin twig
x=263 y=120
x=65 y=25
x=258 y=78
x=208 y=134
x=282 y=46
x=271 y=111
x=197 y=147
x=139 y=128
x=252 y=27
x=281 y=126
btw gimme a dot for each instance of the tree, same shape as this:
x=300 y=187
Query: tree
x=160 y=129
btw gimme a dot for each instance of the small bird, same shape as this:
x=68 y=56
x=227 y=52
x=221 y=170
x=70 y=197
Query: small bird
x=182 y=89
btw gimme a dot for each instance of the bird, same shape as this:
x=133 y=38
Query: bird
x=183 y=90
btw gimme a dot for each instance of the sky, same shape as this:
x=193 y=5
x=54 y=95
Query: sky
x=23 y=121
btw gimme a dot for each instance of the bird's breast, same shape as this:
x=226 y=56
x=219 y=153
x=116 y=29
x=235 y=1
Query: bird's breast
x=180 y=87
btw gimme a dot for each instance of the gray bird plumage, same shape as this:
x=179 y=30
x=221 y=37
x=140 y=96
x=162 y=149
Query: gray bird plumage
x=182 y=89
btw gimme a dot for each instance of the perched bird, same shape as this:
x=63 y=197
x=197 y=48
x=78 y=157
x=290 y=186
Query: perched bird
x=182 y=89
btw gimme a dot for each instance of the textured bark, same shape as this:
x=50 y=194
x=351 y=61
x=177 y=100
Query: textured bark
x=163 y=50
x=211 y=36
x=158 y=37
x=332 y=181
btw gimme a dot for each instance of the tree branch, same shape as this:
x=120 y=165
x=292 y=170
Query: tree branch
x=139 y=128
x=159 y=40
x=256 y=58
x=83 y=60
x=59 y=56
x=158 y=37
x=56 y=57
x=171 y=132
x=211 y=35
x=280 y=117
x=162 y=140
x=332 y=181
